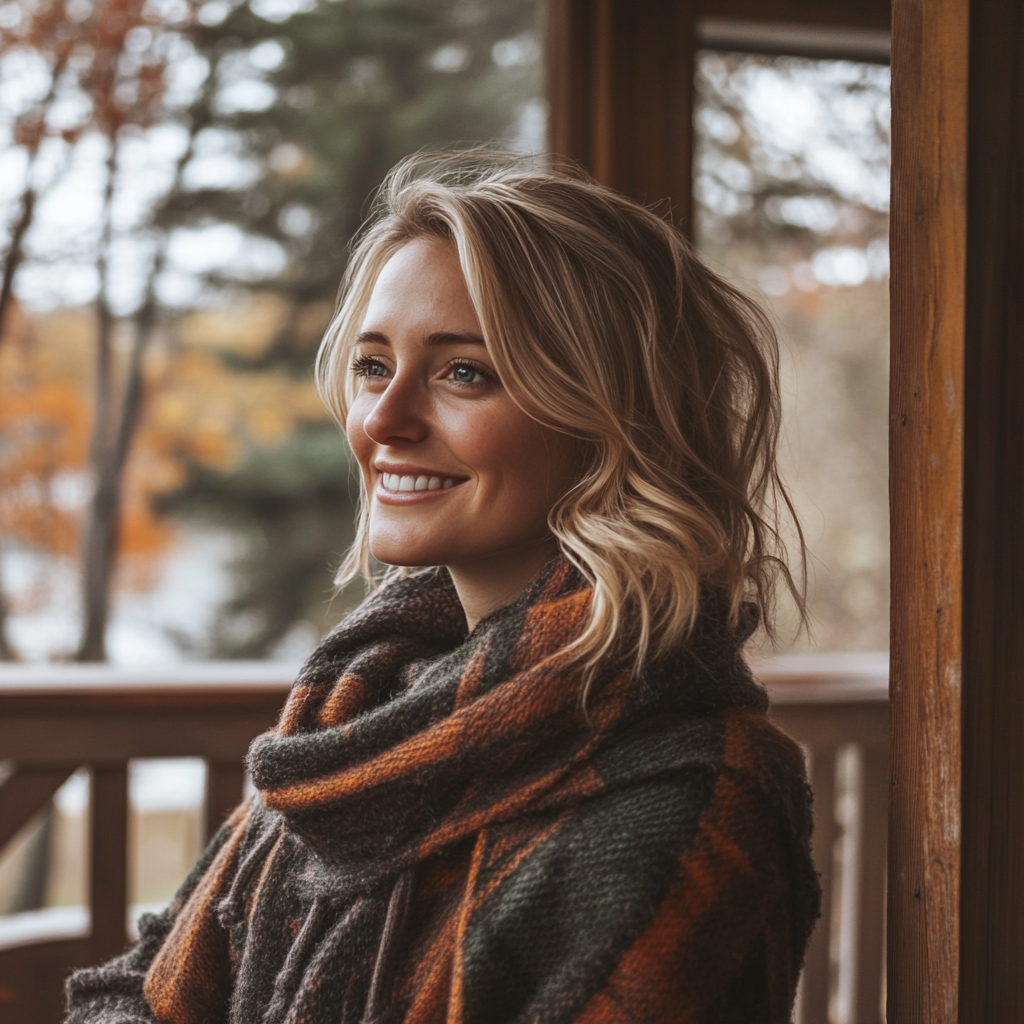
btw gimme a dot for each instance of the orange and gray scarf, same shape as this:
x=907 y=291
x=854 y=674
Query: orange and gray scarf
x=443 y=833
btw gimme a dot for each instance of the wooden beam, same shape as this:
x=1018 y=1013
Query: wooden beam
x=928 y=233
x=620 y=83
x=992 y=900
x=863 y=14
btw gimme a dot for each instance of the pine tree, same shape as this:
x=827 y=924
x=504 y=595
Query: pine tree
x=344 y=90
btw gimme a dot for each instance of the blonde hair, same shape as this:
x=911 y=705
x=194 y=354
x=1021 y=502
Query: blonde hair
x=604 y=324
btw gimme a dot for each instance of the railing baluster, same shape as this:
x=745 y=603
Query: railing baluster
x=816 y=980
x=108 y=869
x=871 y=934
x=25 y=792
x=224 y=784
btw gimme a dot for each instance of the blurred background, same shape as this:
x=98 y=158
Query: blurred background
x=179 y=182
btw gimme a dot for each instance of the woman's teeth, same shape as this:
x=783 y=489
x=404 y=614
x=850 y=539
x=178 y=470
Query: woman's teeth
x=395 y=482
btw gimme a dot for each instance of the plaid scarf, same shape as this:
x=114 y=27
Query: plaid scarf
x=444 y=833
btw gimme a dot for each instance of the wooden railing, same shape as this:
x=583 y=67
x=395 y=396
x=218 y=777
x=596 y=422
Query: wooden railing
x=837 y=706
x=54 y=720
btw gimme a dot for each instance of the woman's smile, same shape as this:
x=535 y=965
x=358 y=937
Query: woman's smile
x=412 y=483
x=393 y=483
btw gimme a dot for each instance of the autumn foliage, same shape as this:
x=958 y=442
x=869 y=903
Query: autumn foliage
x=197 y=411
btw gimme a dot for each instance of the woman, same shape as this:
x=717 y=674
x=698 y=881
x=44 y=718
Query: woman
x=530 y=778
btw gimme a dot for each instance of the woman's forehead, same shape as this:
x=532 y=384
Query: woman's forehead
x=421 y=288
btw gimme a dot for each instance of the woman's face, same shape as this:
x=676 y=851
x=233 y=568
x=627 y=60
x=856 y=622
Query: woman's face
x=455 y=472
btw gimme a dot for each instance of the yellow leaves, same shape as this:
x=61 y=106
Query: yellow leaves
x=247 y=328
x=42 y=445
x=311 y=323
x=197 y=409
x=218 y=411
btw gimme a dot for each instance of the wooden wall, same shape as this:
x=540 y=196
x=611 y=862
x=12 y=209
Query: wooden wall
x=620 y=83
x=992 y=920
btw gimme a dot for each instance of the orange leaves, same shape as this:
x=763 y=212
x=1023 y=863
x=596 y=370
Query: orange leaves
x=43 y=427
x=197 y=409
x=116 y=64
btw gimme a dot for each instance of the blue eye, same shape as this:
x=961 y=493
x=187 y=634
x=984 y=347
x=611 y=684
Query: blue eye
x=367 y=366
x=469 y=374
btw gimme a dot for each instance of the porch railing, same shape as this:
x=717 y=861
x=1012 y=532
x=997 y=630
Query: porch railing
x=57 y=719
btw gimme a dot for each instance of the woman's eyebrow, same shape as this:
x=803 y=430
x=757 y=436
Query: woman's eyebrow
x=431 y=340
x=372 y=337
x=452 y=338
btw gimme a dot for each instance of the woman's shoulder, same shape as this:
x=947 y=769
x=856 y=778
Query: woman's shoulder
x=729 y=755
x=734 y=739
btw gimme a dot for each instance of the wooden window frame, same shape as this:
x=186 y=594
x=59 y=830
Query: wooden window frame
x=620 y=84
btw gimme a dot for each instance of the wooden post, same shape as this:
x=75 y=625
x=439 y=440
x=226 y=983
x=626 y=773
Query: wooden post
x=620 y=82
x=815 y=996
x=108 y=870
x=992 y=902
x=871 y=923
x=929 y=130
x=225 y=781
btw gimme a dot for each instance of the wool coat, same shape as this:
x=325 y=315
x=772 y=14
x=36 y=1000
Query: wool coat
x=445 y=831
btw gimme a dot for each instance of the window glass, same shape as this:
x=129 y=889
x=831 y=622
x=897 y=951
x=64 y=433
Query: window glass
x=791 y=197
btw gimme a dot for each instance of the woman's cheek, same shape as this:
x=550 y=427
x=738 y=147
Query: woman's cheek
x=361 y=445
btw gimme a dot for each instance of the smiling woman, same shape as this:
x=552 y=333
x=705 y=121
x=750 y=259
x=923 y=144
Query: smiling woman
x=531 y=778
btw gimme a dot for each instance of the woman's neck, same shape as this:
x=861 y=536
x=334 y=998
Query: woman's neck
x=486 y=584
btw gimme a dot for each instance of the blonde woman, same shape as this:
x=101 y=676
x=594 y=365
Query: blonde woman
x=530 y=778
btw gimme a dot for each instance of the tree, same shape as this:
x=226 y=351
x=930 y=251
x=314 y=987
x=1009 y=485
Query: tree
x=321 y=104
x=125 y=84
x=311 y=107
x=50 y=33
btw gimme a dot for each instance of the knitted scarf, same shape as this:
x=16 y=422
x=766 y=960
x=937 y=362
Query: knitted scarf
x=444 y=832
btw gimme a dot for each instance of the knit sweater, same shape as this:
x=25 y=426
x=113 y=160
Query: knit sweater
x=445 y=832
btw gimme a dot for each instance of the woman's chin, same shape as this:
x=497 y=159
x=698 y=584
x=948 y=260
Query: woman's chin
x=410 y=555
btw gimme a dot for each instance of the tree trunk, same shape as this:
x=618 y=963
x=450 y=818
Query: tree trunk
x=16 y=253
x=30 y=193
x=7 y=651
x=114 y=429
x=101 y=528
x=97 y=562
x=15 y=256
x=100 y=549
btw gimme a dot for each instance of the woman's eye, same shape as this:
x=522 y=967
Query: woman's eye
x=367 y=366
x=467 y=373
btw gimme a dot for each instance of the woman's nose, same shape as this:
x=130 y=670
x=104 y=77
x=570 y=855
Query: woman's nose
x=397 y=415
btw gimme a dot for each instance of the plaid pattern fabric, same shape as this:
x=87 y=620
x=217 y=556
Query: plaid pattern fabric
x=444 y=833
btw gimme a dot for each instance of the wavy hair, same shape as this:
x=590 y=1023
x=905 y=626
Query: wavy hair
x=604 y=324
